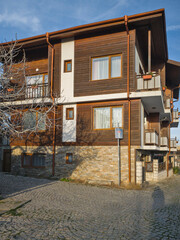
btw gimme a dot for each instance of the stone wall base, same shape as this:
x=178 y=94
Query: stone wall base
x=90 y=163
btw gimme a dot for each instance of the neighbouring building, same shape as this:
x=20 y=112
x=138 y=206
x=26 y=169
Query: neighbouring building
x=114 y=73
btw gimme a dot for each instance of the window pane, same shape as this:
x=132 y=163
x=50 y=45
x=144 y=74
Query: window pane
x=100 y=68
x=68 y=67
x=101 y=118
x=116 y=117
x=37 y=79
x=116 y=66
x=38 y=160
x=70 y=114
x=41 y=121
x=29 y=120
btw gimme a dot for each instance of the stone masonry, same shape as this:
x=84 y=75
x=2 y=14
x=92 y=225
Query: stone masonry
x=90 y=163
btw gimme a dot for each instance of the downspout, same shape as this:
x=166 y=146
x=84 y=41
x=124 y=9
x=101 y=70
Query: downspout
x=129 y=100
x=54 y=116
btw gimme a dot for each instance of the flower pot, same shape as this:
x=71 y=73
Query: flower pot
x=147 y=77
x=10 y=89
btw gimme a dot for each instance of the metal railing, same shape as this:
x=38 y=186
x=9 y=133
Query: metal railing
x=170 y=165
x=173 y=143
x=37 y=91
x=161 y=166
x=151 y=137
x=175 y=115
x=164 y=141
x=148 y=84
x=149 y=166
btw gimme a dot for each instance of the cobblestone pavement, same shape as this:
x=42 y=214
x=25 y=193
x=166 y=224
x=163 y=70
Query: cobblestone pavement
x=61 y=210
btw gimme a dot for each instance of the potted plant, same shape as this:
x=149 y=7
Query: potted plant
x=148 y=76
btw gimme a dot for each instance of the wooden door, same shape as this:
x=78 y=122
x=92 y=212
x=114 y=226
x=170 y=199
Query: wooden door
x=7 y=160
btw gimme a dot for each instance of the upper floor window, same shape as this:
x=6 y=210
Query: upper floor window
x=68 y=66
x=37 y=86
x=69 y=113
x=34 y=120
x=107 y=67
x=107 y=117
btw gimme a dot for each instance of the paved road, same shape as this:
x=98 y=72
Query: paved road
x=60 y=210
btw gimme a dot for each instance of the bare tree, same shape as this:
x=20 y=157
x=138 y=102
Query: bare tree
x=26 y=105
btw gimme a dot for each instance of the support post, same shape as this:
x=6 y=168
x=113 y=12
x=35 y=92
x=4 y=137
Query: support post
x=119 y=163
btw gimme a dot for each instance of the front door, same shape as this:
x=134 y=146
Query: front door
x=7 y=160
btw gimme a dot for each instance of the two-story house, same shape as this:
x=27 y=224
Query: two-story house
x=104 y=75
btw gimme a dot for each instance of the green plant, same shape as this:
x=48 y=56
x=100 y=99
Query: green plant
x=13 y=212
x=176 y=170
x=65 y=180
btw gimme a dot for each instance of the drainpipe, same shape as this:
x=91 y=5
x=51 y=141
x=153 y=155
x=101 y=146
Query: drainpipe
x=129 y=100
x=54 y=116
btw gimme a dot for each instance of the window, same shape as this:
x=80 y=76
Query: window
x=107 y=117
x=34 y=119
x=37 y=86
x=69 y=158
x=68 y=66
x=36 y=160
x=69 y=113
x=106 y=67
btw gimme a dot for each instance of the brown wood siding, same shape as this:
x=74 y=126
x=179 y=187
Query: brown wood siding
x=57 y=68
x=164 y=129
x=96 y=46
x=154 y=122
x=42 y=138
x=42 y=65
x=87 y=136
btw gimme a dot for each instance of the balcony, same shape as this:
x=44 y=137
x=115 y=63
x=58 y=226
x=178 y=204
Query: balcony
x=150 y=91
x=164 y=142
x=175 y=116
x=151 y=137
x=37 y=91
x=148 y=84
x=173 y=144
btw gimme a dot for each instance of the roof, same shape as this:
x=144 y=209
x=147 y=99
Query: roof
x=153 y=19
x=173 y=76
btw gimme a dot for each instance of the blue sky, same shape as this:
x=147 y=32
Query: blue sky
x=33 y=17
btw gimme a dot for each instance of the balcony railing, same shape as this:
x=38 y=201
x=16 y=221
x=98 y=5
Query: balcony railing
x=175 y=115
x=148 y=84
x=151 y=137
x=37 y=91
x=170 y=165
x=167 y=103
x=149 y=166
x=164 y=142
x=161 y=166
x=173 y=143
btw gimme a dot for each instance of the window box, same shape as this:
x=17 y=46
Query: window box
x=147 y=77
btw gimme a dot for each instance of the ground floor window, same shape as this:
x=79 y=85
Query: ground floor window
x=69 y=158
x=33 y=160
x=107 y=117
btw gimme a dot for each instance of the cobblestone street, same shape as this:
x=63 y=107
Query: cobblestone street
x=62 y=210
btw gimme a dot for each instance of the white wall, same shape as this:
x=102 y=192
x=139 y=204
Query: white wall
x=67 y=78
x=69 y=126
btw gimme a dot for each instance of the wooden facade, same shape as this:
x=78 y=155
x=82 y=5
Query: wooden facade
x=83 y=94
